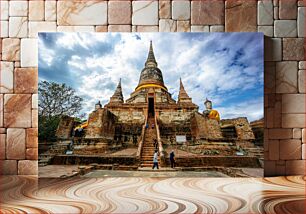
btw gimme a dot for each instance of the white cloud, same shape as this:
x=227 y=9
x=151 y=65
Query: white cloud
x=204 y=61
x=45 y=53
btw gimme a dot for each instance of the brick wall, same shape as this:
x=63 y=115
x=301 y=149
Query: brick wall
x=282 y=21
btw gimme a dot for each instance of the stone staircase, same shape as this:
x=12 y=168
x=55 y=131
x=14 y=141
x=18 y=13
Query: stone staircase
x=148 y=145
x=256 y=152
x=57 y=149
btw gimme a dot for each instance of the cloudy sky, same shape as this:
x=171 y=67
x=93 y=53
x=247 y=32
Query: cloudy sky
x=227 y=68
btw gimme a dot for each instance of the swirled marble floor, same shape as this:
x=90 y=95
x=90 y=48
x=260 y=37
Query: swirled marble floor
x=25 y=194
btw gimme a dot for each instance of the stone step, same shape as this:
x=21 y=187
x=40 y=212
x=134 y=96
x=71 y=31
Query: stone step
x=147 y=158
x=147 y=161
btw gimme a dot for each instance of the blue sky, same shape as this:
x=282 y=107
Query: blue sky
x=227 y=68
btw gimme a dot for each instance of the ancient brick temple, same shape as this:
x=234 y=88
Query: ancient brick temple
x=151 y=119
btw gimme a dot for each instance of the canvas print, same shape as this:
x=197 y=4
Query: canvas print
x=151 y=104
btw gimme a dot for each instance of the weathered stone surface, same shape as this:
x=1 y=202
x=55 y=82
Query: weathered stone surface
x=26 y=80
x=119 y=28
x=27 y=167
x=4 y=9
x=180 y=10
x=286 y=77
x=134 y=29
x=145 y=13
x=266 y=30
x=280 y=133
x=269 y=117
x=278 y=114
x=15 y=144
x=32 y=154
x=297 y=133
x=17 y=64
x=207 y=12
x=270 y=168
x=119 y=12
x=274 y=150
x=302 y=65
x=301 y=81
x=293 y=120
x=273 y=49
x=75 y=28
x=32 y=138
x=18 y=27
x=50 y=10
x=295 y=167
x=287 y=9
x=11 y=49
x=199 y=28
x=164 y=9
x=269 y=78
x=280 y=168
x=303 y=151
x=29 y=49
x=293 y=103
x=183 y=26
x=301 y=22
x=147 y=28
x=290 y=149
x=240 y=15
x=1 y=111
x=167 y=25
x=36 y=10
x=17 y=110
x=293 y=49
x=101 y=28
x=18 y=8
x=34 y=118
x=35 y=101
x=6 y=81
x=2 y=146
x=285 y=28
x=217 y=28
x=301 y=3
x=90 y=12
x=265 y=12
x=304 y=135
x=64 y=128
x=8 y=167
x=38 y=26
x=4 y=29
x=275 y=16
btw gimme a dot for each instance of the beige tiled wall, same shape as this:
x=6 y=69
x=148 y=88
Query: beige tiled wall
x=282 y=21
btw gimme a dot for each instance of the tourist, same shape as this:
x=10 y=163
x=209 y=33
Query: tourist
x=172 y=161
x=147 y=125
x=155 y=160
x=152 y=125
x=155 y=144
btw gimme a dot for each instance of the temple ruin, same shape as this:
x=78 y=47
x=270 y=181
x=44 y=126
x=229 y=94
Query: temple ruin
x=151 y=115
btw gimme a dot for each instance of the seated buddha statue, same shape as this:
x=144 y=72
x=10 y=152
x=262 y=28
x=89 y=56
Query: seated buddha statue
x=209 y=112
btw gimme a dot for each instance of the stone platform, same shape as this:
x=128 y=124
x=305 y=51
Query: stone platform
x=161 y=173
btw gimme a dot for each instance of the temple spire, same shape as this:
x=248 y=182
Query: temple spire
x=117 y=96
x=183 y=96
x=151 y=62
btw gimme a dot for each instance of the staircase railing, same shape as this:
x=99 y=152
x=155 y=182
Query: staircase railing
x=140 y=145
x=160 y=145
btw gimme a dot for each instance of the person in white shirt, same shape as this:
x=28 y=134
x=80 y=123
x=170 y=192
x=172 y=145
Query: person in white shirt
x=155 y=160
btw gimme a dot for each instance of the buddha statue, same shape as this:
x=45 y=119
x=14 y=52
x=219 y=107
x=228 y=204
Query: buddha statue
x=209 y=112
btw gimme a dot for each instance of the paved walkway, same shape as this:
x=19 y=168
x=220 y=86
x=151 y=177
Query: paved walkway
x=56 y=171
x=152 y=174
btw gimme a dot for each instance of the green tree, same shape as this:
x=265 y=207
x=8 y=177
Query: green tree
x=55 y=100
